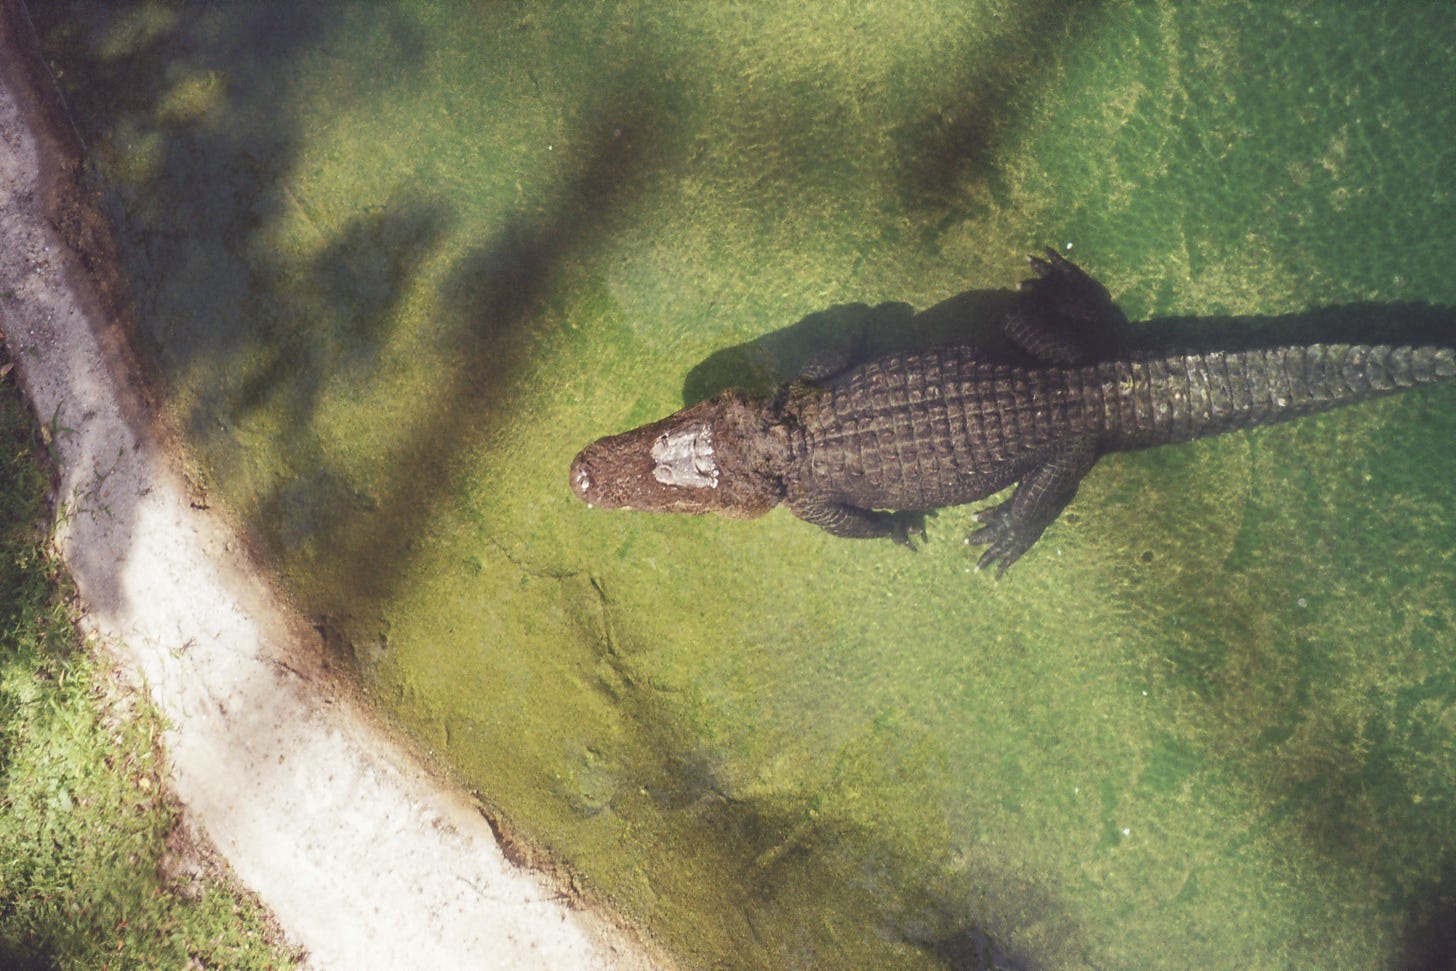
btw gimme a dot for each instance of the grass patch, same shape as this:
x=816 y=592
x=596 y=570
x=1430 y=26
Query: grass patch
x=97 y=868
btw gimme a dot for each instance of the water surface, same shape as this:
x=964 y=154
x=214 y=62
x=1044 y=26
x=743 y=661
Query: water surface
x=394 y=263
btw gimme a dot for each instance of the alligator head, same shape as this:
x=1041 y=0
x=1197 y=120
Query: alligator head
x=706 y=458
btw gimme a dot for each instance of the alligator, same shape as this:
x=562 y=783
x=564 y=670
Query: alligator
x=867 y=450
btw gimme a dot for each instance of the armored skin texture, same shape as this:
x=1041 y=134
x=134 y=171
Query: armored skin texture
x=867 y=451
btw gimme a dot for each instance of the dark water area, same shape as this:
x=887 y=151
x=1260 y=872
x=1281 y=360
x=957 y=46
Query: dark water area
x=394 y=263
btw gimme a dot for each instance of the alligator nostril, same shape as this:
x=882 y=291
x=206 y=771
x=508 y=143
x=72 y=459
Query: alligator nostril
x=581 y=482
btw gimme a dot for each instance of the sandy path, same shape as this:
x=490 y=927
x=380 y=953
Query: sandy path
x=365 y=860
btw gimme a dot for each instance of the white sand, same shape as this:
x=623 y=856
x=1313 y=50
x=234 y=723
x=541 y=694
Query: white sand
x=365 y=860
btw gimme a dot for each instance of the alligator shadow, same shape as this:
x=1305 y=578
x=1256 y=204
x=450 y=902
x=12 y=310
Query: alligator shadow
x=853 y=333
x=850 y=333
x=1430 y=943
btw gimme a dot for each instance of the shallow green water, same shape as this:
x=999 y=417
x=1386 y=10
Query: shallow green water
x=397 y=262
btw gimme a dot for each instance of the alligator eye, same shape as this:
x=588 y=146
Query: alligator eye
x=581 y=480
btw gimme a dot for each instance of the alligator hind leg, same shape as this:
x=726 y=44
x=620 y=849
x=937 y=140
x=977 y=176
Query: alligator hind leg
x=840 y=519
x=1013 y=526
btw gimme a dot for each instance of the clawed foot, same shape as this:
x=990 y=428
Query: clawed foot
x=904 y=526
x=1053 y=262
x=1005 y=544
x=1068 y=290
x=1054 y=266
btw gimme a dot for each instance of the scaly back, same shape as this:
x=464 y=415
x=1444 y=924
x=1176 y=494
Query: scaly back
x=932 y=428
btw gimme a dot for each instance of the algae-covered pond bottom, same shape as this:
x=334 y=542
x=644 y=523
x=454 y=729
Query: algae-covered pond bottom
x=392 y=264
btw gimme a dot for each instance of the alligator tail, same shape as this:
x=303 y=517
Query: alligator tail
x=1177 y=398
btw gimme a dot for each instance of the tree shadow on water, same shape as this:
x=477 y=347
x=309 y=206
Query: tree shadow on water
x=954 y=146
x=363 y=278
x=133 y=73
x=488 y=315
x=209 y=294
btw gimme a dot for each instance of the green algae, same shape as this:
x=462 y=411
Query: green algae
x=395 y=263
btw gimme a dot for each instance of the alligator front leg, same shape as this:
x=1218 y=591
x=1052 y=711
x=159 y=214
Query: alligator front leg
x=1014 y=525
x=841 y=519
x=1063 y=316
